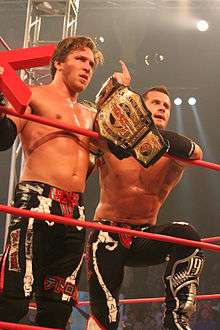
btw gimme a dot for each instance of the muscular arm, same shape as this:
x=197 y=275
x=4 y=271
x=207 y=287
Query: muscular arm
x=197 y=153
x=181 y=146
x=9 y=126
x=8 y=133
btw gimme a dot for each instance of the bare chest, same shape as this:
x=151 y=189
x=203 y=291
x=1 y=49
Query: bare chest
x=59 y=111
x=128 y=175
x=64 y=111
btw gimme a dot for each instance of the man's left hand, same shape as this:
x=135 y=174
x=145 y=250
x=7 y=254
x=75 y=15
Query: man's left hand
x=123 y=77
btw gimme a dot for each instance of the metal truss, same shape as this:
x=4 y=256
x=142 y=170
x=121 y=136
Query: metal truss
x=59 y=17
x=149 y=4
x=19 y=5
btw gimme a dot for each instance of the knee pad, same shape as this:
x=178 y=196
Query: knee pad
x=185 y=231
x=53 y=314
x=13 y=310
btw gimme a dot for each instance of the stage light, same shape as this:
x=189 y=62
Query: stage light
x=178 y=101
x=202 y=25
x=192 y=101
x=146 y=60
x=51 y=7
x=159 y=58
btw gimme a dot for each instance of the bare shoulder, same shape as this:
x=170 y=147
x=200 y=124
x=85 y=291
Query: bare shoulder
x=39 y=93
x=39 y=88
x=89 y=106
x=90 y=110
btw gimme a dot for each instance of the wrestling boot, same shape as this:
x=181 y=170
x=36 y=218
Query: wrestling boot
x=181 y=283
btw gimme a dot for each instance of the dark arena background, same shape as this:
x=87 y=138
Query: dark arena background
x=170 y=42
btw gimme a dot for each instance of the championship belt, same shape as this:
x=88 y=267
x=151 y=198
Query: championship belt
x=124 y=120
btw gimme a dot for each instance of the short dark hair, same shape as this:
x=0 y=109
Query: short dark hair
x=65 y=46
x=161 y=89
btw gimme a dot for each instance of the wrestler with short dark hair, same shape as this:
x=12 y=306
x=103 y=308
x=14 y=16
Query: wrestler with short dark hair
x=131 y=197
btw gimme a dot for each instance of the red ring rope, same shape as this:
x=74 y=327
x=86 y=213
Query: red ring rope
x=90 y=133
x=152 y=300
x=201 y=163
x=16 y=326
x=114 y=229
x=211 y=239
x=142 y=300
x=50 y=122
